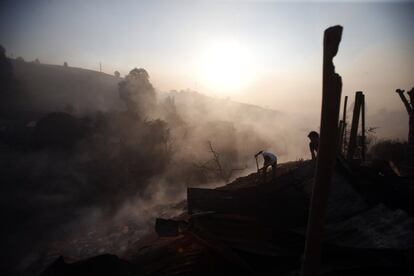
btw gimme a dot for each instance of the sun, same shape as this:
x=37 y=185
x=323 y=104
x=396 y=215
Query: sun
x=226 y=67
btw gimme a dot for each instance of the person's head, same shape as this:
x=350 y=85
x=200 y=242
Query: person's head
x=313 y=136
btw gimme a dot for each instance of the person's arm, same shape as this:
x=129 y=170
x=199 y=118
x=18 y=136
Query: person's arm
x=257 y=154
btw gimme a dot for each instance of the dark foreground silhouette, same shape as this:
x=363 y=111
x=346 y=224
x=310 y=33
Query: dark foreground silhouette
x=250 y=227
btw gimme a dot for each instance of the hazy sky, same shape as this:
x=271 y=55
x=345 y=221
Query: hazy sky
x=263 y=52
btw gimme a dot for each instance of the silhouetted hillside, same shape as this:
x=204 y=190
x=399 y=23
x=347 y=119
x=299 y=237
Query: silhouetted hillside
x=46 y=88
x=49 y=88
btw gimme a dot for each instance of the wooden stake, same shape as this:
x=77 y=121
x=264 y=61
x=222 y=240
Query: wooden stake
x=363 y=146
x=344 y=114
x=354 y=127
x=342 y=128
x=343 y=131
x=331 y=100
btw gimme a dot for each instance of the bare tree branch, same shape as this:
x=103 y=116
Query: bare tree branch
x=218 y=169
x=404 y=100
x=411 y=95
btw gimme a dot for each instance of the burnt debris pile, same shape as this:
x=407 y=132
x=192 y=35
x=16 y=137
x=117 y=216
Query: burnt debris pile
x=260 y=229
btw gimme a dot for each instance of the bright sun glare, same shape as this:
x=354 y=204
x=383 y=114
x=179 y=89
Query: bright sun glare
x=226 y=67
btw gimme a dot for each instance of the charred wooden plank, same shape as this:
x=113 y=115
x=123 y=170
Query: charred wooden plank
x=167 y=227
x=286 y=207
x=342 y=129
x=354 y=127
x=331 y=99
x=363 y=146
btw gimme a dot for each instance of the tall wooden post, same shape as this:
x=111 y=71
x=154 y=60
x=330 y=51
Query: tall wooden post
x=345 y=105
x=343 y=138
x=354 y=127
x=363 y=146
x=331 y=100
x=340 y=135
x=342 y=128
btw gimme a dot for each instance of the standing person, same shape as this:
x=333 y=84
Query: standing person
x=314 y=143
x=269 y=160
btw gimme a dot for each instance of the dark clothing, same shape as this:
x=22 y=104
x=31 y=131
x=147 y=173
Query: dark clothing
x=314 y=143
x=313 y=147
x=274 y=166
x=269 y=160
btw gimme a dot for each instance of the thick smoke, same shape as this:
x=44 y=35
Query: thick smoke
x=88 y=180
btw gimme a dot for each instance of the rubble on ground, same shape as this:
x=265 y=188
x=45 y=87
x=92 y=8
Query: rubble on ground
x=250 y=227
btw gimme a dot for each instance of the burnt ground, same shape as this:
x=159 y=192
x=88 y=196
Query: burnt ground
x=250 y=227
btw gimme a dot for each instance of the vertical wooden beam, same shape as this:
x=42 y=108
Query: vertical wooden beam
x=354 y=127
x=363 y=146
x=342 y=128
x=343 y=132
x=411 y=120
x=331 y=100
x=345 y=106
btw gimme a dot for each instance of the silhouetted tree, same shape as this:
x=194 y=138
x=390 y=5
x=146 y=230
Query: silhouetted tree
x=159 y=135
x=117 y=74
x=137 y=92
x=409 y=106
x=215 y=166
x=171 y=113
x=6 y=73
x=37 y=61
x=58 y=130
x=20 y=59
x=65 y=64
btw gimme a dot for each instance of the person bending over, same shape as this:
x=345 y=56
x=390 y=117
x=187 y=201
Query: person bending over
x=269 y=160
